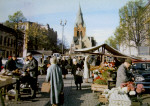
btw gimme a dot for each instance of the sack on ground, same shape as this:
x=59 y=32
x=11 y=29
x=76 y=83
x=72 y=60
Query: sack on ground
x=45 y=87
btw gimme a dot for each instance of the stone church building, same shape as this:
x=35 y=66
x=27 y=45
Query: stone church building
x=80 y=40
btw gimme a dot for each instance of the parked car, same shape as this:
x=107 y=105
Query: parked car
x=19 y=62
x=141 y=73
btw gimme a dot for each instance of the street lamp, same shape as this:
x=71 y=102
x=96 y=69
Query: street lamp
x=63 y=24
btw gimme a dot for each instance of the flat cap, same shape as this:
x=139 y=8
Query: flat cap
x=128 y=60
x=29 y=54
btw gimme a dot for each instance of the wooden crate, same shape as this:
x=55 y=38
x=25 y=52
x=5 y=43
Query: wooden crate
x=103 y=99
x=98 y=87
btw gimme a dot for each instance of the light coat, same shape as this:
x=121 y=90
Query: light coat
x=54 y=75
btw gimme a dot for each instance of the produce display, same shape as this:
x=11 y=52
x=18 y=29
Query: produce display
x=119 y=100
x=117 y=97
x=130 y=86
x=102 y=74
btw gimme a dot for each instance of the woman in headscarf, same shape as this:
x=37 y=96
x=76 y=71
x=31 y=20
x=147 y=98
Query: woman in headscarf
x=54 y=75
x=77 y=78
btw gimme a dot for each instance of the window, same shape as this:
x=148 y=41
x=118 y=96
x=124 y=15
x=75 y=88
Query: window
x=5 y=41
x=143 y=50
x=7 y=54
x=11 y=42
x=10 y=53
x=1 y=40
x=14 y=43
x=8 y=42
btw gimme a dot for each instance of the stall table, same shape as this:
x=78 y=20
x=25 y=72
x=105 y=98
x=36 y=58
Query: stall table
x=4 y=86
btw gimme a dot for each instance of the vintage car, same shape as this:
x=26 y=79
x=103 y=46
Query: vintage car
x=141 y=73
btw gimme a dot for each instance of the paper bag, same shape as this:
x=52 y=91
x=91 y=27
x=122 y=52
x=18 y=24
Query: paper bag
x=45 y=87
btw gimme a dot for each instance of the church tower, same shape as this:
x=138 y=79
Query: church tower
x=80 y=40
x=79 y=27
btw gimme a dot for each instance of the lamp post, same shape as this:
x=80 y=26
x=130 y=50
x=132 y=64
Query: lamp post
x=63 y=24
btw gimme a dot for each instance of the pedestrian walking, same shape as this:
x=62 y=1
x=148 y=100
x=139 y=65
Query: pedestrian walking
x=63 y=67
x=54 y=76
x=78 y=79
x=86 y=68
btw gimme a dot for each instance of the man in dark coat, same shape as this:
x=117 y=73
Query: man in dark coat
x=11 y=64
x=122 y=73
x=33 y=71
x=64 y=63
x=0 y=62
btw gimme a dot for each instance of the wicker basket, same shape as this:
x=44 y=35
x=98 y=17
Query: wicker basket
x=98 y=87
x=103 y=99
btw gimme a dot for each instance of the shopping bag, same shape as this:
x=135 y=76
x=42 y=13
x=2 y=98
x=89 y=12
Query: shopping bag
x=45 y=87
x=79 y=73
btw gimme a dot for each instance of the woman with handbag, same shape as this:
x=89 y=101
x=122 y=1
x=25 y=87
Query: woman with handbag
x=77 y=73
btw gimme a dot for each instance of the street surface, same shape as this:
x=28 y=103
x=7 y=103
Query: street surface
x=73 y=97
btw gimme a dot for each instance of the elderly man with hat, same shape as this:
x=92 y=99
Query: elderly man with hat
x=33 y=71
x=122 y=72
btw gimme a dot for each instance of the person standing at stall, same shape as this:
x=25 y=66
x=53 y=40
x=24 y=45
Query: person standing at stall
x=54 y=76
x=122 y=72
x=0 y=63
x=11 y=64
x=33 y=71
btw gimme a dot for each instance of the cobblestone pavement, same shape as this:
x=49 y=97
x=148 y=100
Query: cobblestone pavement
x=73 y=97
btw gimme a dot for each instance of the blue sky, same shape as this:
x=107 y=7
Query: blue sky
x=100 y=16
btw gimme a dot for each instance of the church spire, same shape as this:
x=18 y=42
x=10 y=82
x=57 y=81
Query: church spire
x=79 y=18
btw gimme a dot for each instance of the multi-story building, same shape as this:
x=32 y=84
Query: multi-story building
x=11 y=41
x=80 y=40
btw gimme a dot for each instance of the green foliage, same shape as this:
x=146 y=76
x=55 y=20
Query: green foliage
x=111 y=41
x=105 y=75
x=99 y=81
x=16 y=17
x=131 y=26
x=37 y=37
x=131 y=22
x=9 y=24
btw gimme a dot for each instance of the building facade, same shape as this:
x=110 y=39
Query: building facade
x=80 y=40
x=11 y=42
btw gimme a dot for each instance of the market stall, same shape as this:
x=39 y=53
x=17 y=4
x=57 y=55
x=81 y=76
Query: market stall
x=13 y=84
x=5 y=82
x=104 y=77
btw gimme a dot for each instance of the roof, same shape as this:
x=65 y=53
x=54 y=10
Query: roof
x=11 y=31
x=95 y=50
x=79 y=19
